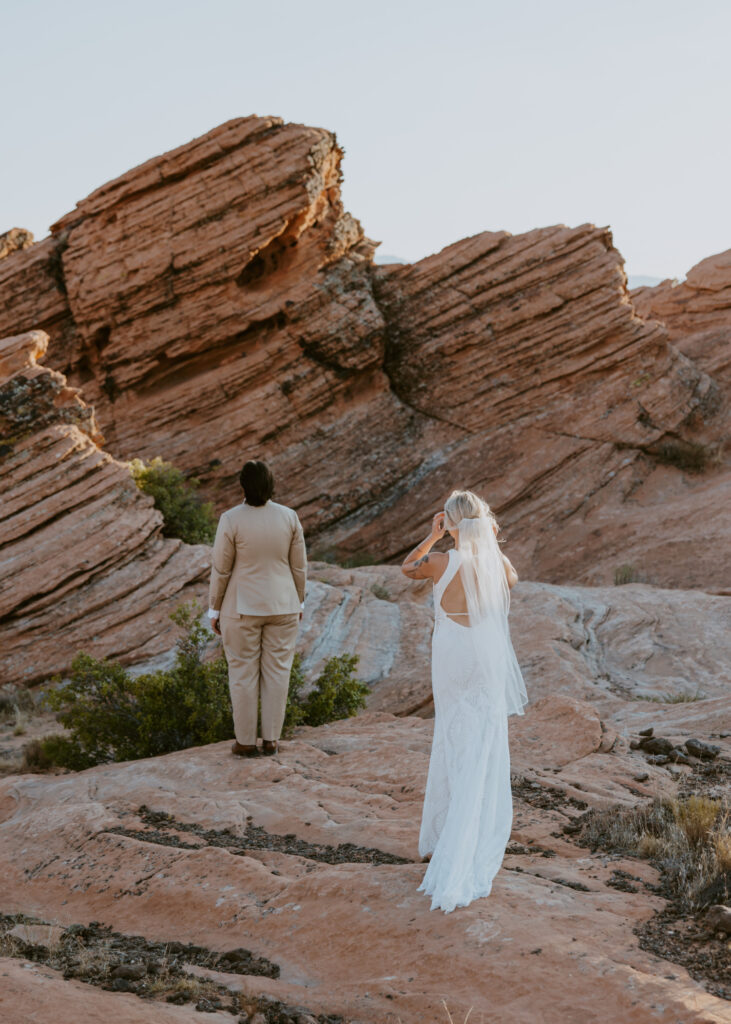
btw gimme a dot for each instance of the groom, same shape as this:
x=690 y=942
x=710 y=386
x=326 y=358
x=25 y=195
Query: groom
x=256 y=597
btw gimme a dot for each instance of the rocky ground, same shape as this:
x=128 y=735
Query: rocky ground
x=289 y=884
x=307 y=863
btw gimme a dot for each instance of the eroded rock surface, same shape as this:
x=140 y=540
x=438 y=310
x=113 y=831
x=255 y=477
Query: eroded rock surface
x=84 y=564
x=217 y=302
x=163 y=848
x=607 y=645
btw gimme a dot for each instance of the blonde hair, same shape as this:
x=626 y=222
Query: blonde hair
x=466 y=505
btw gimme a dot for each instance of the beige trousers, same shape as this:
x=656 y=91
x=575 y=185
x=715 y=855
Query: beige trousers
x=259 y=650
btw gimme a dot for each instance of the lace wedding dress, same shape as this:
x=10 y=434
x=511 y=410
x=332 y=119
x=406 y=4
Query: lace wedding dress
x=468 y=804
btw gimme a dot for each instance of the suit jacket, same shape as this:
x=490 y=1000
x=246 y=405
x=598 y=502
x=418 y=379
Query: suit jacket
x=259 y=563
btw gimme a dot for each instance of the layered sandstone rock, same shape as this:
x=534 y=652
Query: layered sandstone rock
x=253 y=855
x=217 y=302
x=84 y=564
x=696 y=312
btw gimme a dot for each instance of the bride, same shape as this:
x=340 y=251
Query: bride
x=477 y=683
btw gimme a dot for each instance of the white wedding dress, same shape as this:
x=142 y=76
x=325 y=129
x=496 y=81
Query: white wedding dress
x=468 y=804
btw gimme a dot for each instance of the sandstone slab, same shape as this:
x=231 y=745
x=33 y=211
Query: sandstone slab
x=92 y=851
x=607 y=645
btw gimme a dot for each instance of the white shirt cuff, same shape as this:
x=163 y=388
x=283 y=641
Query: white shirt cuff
x=213 y=614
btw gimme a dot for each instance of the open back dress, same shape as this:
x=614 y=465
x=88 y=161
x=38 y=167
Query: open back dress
x=468 y=804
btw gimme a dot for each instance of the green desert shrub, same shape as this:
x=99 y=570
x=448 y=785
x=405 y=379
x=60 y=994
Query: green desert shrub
x=359 y=558
x=294 y=712
x=111 y=715
x=185 y=514
x=336 y=694
x=52 y=752
x=626 y=574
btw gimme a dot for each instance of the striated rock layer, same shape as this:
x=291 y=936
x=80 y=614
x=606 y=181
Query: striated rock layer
x=216 y=302
x=696 y=312
x=84 y=564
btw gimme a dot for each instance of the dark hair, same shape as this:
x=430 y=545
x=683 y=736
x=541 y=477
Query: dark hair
x=257 y=481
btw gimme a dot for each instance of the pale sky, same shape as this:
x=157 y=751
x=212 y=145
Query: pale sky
x=456 y=116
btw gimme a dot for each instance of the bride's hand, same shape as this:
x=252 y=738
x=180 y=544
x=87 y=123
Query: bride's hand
x=437 y=526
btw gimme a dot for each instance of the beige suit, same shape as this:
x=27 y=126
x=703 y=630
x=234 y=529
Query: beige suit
x=258 y=576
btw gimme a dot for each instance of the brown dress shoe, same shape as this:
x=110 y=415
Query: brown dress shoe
x=269 y=747
x=244 y=750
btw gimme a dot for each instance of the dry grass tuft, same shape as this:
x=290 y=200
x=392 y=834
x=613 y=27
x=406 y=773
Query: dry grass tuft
x=20 y=727
x=449 y=1015
x=688 y=839
x=673 y=698
x=722 y=845
x=696 y=816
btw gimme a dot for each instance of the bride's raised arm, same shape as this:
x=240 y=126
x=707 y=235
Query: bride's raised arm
x=420 y=564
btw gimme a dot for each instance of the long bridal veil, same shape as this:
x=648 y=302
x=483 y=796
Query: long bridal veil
x=488 y=602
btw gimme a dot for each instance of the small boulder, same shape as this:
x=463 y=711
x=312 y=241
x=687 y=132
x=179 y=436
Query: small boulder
x=235 y=956
x=699 y=748
x=130 y=972
x=120 y=985
x=718 y=918
x=656 y=745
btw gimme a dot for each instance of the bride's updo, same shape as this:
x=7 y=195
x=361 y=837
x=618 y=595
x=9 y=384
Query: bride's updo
x=466 y=505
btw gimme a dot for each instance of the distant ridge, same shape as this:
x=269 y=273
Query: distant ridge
x=388 y=258
x=642 y=281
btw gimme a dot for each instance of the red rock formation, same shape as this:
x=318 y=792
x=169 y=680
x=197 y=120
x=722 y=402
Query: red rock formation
x=84 y=565
x=216 y=302
x=696 y=312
